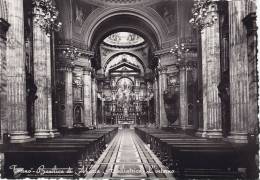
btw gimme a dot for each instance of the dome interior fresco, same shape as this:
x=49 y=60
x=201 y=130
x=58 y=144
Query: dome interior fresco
x=123 y=39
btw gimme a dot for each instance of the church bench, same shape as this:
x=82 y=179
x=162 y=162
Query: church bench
x=144 y=133
x=68 y=151
x=194 y=156
x=160 y=145
x=155 y=139
x=33 y=156
x=98 y=140
x=205 y=155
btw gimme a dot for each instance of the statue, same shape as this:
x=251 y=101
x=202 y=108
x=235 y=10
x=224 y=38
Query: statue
x=77 y=114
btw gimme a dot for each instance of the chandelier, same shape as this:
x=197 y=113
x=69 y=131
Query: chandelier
x=200 y=11
x=71 y=53
x=179 y=51
x=46 y=16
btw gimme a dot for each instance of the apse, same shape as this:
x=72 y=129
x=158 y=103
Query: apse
x=126 y=93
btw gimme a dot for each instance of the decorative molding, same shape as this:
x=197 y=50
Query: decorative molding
x=163 y=52
x=124 y=47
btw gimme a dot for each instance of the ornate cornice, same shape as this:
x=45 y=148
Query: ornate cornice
x=4 y=25
x=163 y=52
x=73 y=43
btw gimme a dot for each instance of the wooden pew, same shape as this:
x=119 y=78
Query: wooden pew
x=68 y=151
x=194 y=157
x=31 y=156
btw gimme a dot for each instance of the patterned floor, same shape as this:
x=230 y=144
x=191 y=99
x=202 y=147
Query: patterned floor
x=127 y=156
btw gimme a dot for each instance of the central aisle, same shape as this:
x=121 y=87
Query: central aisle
x=127 y=156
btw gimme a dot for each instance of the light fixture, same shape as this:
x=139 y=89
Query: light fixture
x=201 y=14
x=71 y=53
x=46 y=16
x=179 y=51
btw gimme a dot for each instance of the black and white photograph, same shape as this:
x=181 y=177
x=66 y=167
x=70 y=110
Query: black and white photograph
x=129 y=89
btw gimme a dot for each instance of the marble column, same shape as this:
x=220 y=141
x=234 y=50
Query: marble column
x=87 y=97
x=94 y=102
x=210 y=37
x=68 y=97
x=157 y=106
x=239 y=83
x=250 y=23
x=41 y=80
x=16 y=83
x=162 y=88
x=183 y=98
x=4 y=25
x=52 y=131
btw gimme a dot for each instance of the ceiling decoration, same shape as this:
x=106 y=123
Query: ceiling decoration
x=122 y=2
x=123 y=39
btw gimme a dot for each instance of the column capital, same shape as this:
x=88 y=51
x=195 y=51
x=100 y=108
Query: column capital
x=205 y=13
x=162 y=69
x=41 y=8
x=4 y=25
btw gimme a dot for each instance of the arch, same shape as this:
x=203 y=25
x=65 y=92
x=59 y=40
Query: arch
x=106 y=21
x=3 y=10
x=128 y=53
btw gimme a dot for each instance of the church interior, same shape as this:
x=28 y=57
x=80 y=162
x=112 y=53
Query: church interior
x=129 y=89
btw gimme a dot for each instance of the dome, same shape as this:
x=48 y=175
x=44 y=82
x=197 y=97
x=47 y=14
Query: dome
x=123 y=39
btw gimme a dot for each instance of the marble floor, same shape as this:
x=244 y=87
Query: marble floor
x=128 y=157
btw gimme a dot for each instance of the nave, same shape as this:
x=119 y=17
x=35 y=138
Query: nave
x=128 y=157
x=84 y=82
x=142 y=153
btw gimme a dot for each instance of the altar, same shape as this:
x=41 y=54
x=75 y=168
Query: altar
x=126 y=94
